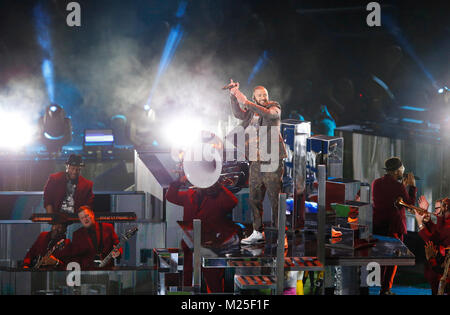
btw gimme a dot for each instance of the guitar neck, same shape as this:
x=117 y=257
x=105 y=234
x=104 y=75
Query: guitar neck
x=46 y=256
x=108 y=258
x=124 y=238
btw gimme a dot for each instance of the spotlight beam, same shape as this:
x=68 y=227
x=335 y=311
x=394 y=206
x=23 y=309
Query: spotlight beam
x=397 y=33
x=262 y=61
x=172 y=42
x=42 y=23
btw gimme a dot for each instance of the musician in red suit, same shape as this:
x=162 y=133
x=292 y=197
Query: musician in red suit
x=44 y=243
x=389 y=220
x=437 y=239
x=68 y=191
x=212 y=206
x=93 y=241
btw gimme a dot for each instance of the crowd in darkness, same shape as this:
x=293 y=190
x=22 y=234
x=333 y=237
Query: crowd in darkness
x=329 y=64
x=322 y=62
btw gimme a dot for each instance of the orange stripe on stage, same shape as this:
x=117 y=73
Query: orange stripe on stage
x=308 y=262
x=241 y=280
x=299 y=262
x=249 y=280
x=258 y=280
x=268 y=281
x=288 y=261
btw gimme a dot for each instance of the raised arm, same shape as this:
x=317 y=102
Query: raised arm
x=174 y=195
x=236 y=109
x=272 y=112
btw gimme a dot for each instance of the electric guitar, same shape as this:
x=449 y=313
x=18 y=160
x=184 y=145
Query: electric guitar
x=61 y=243
x=443 y=281
x=100 y=263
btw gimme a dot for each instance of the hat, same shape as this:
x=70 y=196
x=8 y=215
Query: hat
x=75 y=160
x=392 y=164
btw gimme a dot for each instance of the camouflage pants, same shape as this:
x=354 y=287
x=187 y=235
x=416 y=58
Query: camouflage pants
x=259 y=183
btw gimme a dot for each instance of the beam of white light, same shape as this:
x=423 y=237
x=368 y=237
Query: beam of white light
x=16 y=130
x=183 y=132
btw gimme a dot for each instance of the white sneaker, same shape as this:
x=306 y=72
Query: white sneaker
x=255 y=237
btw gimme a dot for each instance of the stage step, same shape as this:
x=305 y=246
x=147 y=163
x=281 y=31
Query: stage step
x=257 y=282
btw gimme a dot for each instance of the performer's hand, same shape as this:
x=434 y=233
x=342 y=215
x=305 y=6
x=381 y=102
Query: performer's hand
x=409 y=180
x=419 y=218
x=235 y=88
x=50 y=261
x=430 y=251
x=423 y=203
x=182 y=179
x=115 y=252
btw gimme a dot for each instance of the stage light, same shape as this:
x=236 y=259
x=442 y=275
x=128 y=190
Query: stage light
x=441 y=90
x=151 y=114
x=16 y=131
x=182 y=133
x=55 y=129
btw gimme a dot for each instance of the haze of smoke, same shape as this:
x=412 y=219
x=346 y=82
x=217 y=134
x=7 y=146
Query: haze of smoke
x=117 y=73
x=25 y=95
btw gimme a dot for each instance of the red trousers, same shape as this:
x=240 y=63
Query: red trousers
x=213 y=277
x=388 y=272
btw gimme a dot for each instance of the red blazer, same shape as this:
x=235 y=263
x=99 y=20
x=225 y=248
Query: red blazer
x=39 y=248
x=213 y=212
x=438 y=233
x=386 y=218
x=55 y=191
x=82 y=249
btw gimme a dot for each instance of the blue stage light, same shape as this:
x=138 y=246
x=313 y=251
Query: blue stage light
x=42 y=22
x=50 y=137
x=414 y=121
x=396 y=31
x=417 y=109
x=55 y=129
x=262 y=61
x=181 y=9
x=175 y=35
x=47 y=72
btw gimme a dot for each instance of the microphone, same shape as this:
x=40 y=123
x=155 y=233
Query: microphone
x=229 y=86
